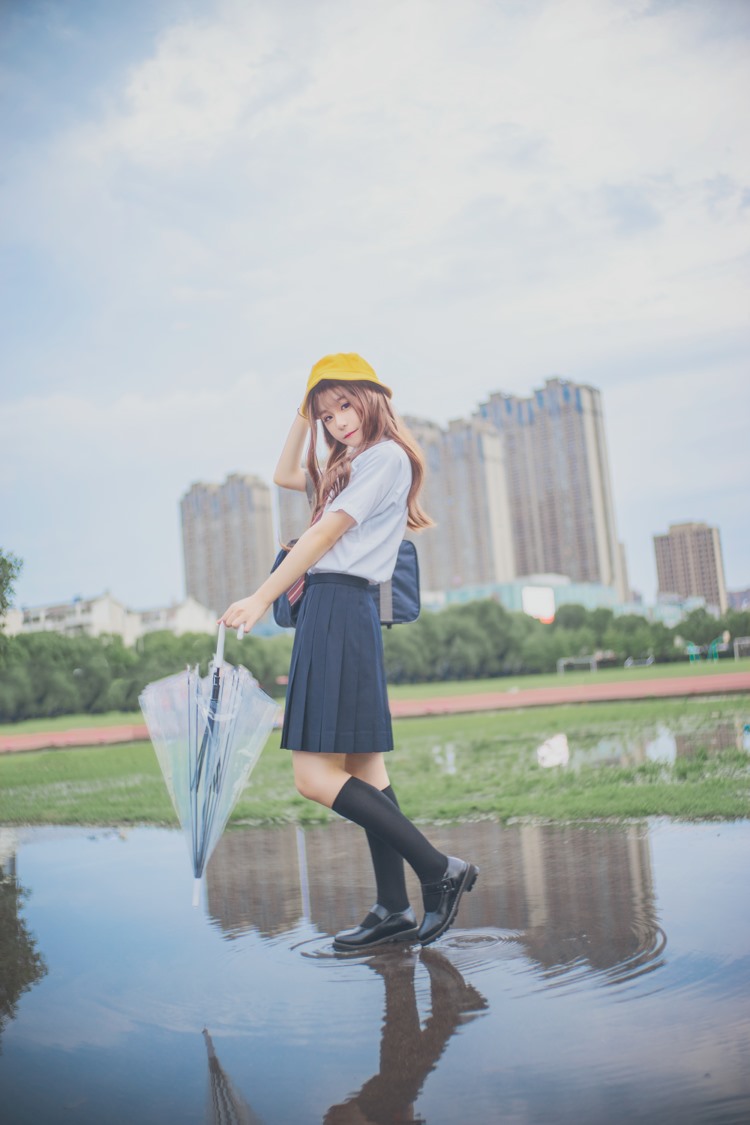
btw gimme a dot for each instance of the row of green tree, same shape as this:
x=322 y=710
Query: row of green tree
x=47 y=674
x=482 y=639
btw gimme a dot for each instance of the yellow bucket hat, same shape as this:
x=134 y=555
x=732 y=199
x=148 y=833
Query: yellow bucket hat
x=344 y=367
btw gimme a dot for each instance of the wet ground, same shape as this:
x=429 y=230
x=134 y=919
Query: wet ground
x=594 y=974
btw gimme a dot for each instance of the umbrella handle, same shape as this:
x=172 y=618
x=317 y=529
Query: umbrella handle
x=218 y=658
x=220 y=643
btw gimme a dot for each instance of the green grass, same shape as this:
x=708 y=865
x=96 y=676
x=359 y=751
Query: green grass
x=493 y=754
x=552 y=679
x=73 y=722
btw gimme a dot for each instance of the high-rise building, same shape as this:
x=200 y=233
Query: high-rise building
x=689 y=563
x=227 y=539
x=293 y=510
x=466 y=494
x=559 y=491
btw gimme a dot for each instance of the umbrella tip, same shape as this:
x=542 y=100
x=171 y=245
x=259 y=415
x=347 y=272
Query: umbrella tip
x=197 y=892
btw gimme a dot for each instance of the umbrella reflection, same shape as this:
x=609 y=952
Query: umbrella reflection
x=408 y=1051
x=225 y=1105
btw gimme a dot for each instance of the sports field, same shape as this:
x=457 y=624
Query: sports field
x=464 y=755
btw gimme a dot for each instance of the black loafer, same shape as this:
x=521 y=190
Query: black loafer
x=401 y=926
x=459 y=876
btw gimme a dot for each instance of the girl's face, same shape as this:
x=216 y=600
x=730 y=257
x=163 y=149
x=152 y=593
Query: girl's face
x=340 y=417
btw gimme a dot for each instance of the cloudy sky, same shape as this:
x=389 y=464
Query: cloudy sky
x=199 y=198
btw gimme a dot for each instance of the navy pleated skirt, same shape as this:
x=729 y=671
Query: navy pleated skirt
x=336 y=701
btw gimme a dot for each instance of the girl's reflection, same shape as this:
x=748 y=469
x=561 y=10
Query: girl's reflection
x=409 y=1052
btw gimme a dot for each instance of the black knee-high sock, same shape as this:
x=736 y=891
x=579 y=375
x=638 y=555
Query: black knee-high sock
x=388 y=866
x=372 y=810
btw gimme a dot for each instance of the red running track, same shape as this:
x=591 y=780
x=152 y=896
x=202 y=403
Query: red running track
x=722 y=683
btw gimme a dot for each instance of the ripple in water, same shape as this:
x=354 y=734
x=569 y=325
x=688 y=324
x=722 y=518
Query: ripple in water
x=483 y=950
x=585 y=968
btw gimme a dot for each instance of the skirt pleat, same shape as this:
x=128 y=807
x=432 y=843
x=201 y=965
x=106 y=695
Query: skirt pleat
x=337 y=699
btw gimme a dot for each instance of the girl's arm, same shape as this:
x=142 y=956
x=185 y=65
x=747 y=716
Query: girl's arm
x=289 y=472
x=305 y=553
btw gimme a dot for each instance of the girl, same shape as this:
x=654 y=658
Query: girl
x=337 y=721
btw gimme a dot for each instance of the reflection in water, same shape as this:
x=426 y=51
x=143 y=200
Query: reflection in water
x=576 y=899
x=561 y=951
x=21 y=965
x=589 y=902
x=409 y=1052
x=225 y=1105
x=578 y=902
x=662 y=743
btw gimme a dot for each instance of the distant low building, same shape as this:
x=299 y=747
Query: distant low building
x=539 y=595
x=671 y=610
x=738 y=599
x=94 y=617
x=90 y=617
x=179 y=618
x=542 y=595
x=12 y=623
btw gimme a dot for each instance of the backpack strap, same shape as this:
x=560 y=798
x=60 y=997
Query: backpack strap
x=386 y=602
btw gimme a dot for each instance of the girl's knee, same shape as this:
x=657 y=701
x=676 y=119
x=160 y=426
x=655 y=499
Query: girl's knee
x=310 y=779
x=306 y=787
x=317 y=779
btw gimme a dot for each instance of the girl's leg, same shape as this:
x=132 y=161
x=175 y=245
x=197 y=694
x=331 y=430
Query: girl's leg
x=369 y=768
x=444 y=878
x=387 y=863
x=321 y=778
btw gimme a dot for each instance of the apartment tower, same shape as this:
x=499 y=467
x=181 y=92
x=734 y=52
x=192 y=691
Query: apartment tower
x=293 y=512
x=227 y=539
x=559 y=492
x=689 y=563
x=466 y=494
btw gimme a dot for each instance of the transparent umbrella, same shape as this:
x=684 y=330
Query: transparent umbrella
x=208 y=733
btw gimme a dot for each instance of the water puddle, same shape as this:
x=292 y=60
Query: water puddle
x=654 y=743
x=594 y=973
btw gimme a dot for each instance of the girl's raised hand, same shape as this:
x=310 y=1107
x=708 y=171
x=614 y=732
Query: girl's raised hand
x=246 y=613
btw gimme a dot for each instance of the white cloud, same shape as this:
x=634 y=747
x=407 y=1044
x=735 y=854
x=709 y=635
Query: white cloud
x=197 y=430
x=90 y=490
x=502 y=191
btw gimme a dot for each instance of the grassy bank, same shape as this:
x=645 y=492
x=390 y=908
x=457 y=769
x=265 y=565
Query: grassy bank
x=445 y=768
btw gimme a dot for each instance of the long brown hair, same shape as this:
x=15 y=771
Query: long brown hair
x=379 y=423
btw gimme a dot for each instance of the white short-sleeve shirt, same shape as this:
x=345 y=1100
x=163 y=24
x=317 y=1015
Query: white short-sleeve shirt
x=376 y=498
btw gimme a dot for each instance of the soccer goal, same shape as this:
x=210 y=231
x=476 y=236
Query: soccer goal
x=741 y=647
x=575 y=663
